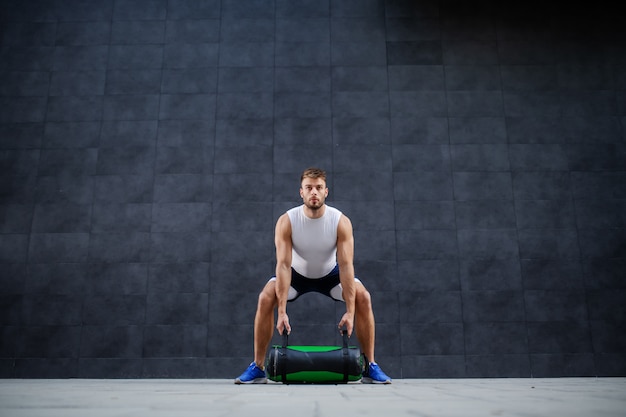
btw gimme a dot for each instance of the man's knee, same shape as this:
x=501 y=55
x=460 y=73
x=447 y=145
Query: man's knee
x=267 y=299
x=363 y=299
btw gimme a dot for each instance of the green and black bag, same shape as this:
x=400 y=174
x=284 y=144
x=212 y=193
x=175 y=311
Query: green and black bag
x=314 y=364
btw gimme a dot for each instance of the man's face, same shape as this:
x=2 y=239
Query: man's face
x=313 y=192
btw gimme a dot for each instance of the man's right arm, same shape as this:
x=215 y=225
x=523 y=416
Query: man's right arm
x=282 y=240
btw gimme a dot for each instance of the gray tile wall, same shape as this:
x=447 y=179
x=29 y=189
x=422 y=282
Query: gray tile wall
x=147 y=148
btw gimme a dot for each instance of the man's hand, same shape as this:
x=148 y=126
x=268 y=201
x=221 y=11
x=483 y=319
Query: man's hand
x=283 y=323
x=347 y=321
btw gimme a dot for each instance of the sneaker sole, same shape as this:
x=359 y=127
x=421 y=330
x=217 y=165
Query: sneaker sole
x=254 y=381
x=367 y=380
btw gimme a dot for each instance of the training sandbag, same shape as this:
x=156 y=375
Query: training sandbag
x=293 y=364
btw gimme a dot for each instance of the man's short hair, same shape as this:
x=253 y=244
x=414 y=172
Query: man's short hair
x=313 y=173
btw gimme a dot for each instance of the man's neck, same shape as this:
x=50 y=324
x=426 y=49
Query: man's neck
x=314 y=213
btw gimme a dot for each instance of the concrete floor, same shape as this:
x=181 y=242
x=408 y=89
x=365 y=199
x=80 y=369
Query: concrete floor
x=556 y=397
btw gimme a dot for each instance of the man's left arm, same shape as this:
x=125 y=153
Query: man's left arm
x=345 y=260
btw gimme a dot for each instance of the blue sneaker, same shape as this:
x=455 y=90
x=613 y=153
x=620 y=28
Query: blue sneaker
x=374 y=375
x=252 y=375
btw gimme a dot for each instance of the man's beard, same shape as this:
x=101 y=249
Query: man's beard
x=314 y=206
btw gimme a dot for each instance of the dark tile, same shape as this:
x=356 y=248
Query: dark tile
x=77 y=58
x=183 y=188
x=117 y=313
x=549 y=244
x=555 y=305
x=419 y=130
x=291 y=53
x=432 y=339
x=52 y=310
x=119 y=246
x=243 y=106
x=417 y=104
x=192 y=133
x=493 y=306
x=478 y=130
x=21 y=135
x=475 y=104
x=246 y=54
x=135 y=57
x=184 y=160
x=503 y=338
x=22 y=109
x=134 y=82
x=417 y=158
x=485 y=214
x=241 y=246
x=74 y=109
x=472 y=78
x=83 y=33
x=189 y=277
x=303 y=79
x=176 y=368
x=423 y=215
x=181 y=247
x=469 y=52
x=426 y=244
x=192 y=31
x=430 y=307
x=185 y=56
x=175 y=341
x=302 y=105
x=144 y=10
x=25 y=84
x=121 y=217
x=48 y=342
x=123 y=189
x=71 y=135
x=433 y=366
x=110 y=341
x=246 y=79
x=427 y=275
x=422 y=186
x=233 y=216
x=559 y=337
x=67 y=162
x=357 y=29
x=351 y=158
x=563 y=365
x=482 y=157
x=63 y=189
x=303 y=29
x=125 y=32
x=488 y=244
x=490 y=274
x=16 y=218
x=363 y=78
x=189 y=9
x=45 y=368
x=58 y=247
x=474 y=186
x=247 y=29
x=415 y=77
x=110 y=368
x=359 y=131
x=359 y=53
x=61 y=218
x=125 y=161
x=116 y=279
x=182 y=308
x=131 y=107
x=181 y=217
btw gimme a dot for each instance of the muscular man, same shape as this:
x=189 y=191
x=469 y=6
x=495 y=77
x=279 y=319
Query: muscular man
x=314 y=252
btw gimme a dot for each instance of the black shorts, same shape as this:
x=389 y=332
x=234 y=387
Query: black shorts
x=328 y=285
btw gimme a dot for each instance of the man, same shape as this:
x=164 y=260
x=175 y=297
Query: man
x=314 y=252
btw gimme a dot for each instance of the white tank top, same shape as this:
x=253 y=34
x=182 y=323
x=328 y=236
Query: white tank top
x=314 y=242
